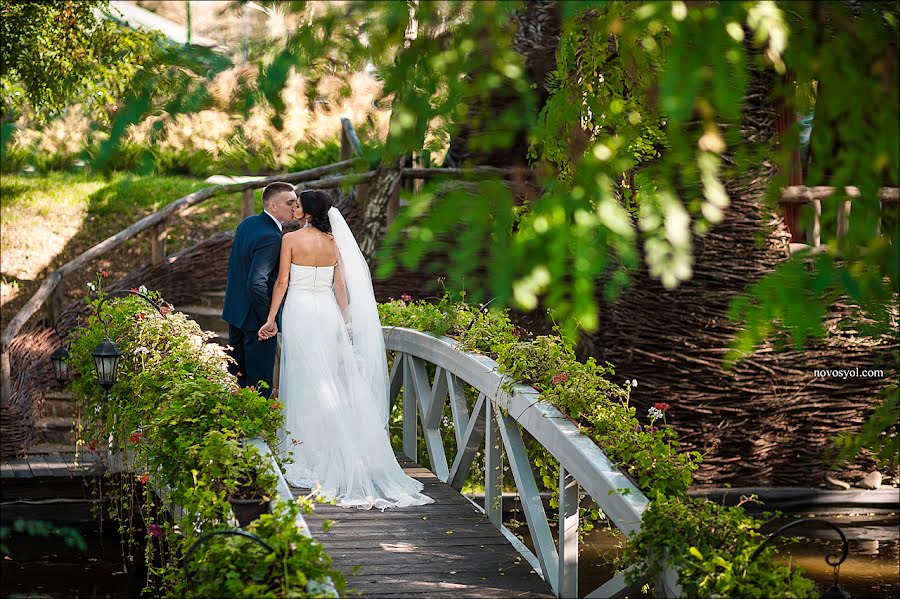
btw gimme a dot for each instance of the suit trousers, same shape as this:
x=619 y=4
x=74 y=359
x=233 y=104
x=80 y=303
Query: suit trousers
x=255 y=359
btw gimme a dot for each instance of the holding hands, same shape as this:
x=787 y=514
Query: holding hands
x=268 y=330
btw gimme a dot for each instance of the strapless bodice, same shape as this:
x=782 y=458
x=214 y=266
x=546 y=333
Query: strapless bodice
x=311 y=278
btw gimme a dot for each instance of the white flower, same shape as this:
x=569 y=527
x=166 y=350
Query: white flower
x=92 y=287
x=96 y=409
x=654 y=414
x=633 y=382
x=141 y=350
x=142 y=289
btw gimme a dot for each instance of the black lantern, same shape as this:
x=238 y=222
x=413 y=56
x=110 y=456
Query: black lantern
x=107 y=354
x=106 y=359
x=60 y=361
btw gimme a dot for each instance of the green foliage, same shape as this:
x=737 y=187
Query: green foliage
x=710 y=546
x=180 y=419
x=879 y=435
x=314 y=155
x=238 y=567
x=42 y=529
x=591 y=94
x=59 y=53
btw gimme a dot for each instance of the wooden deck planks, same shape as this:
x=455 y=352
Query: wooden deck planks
x=61 y=465
x=448 y=548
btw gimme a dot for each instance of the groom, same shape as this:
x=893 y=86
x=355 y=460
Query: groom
x=252 y=271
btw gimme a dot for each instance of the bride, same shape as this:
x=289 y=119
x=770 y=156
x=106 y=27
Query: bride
x=334 y=382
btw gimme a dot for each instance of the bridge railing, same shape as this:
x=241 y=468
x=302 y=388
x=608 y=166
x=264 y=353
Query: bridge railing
x=800 y=195
x=499 y=417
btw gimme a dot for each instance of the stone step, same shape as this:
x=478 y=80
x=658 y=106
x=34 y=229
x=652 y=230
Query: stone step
x=213 y=299
x=45 y=448
x=61 y=395
x=209 y=318
x=59 y=407
x=55 y=429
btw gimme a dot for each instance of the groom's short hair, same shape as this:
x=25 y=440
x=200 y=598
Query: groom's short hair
x=273 y=189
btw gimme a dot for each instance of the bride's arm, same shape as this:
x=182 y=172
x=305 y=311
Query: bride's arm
x=340 y=291
x=284 y=274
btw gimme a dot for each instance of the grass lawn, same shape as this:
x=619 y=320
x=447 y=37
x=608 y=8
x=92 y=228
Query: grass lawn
x=50 y=218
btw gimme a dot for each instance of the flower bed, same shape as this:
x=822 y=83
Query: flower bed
x=181 y=418
x=709 y=545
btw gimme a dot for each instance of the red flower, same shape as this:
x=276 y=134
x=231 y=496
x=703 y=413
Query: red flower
x=144 y=478
x=104 y=274
x=276 y=406
x=93 y=445
x=135 y=437
x=252 y=388
x=406 y=298
x=562 y=377
x=516 y=333
x=139 y=316
x=662 y=406
x=133 y=289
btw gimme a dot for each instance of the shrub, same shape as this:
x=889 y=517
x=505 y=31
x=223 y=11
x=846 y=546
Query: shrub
x=180 y=416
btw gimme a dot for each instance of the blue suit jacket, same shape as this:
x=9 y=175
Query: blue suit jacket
x=252 y=272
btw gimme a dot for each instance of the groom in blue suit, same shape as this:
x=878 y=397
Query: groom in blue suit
x=252 y=271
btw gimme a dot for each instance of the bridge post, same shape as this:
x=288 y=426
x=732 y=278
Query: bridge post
x=410 y=414
x=158 y=244
x=568 y=534
x=493 y=469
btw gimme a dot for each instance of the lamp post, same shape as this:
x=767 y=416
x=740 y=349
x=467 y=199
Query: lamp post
x=107 y=354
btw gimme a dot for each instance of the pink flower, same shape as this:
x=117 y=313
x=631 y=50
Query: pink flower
x=406 y=298
x=104 y=274
x=165 y=310
x=139 y=316
x=662 y=406
x=154 y=530
x=295 y=442
x=562 y=377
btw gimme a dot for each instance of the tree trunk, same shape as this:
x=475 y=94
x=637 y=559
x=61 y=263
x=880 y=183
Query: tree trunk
x=373 y=225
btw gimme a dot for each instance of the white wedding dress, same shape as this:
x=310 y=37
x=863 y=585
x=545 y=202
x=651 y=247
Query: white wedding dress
x=334 y=389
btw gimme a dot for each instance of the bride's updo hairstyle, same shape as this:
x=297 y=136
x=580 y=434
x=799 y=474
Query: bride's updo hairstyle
x=316 y=205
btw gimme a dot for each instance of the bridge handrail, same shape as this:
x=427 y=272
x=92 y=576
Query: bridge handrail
x=582 y=462
x=283 y=494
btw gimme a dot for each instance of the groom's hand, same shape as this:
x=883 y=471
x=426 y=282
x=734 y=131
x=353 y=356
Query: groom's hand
x=267 y=331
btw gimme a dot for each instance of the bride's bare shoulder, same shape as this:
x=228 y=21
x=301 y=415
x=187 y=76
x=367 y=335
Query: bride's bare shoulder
x=299 y=236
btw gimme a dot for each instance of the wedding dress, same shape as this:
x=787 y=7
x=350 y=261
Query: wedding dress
x=334 y=387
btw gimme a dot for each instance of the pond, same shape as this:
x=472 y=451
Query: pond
x=47 y=567
x=872 y=568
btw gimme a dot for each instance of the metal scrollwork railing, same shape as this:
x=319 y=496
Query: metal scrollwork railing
x=498 y=417
x=237 y=532
x=832 y=559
